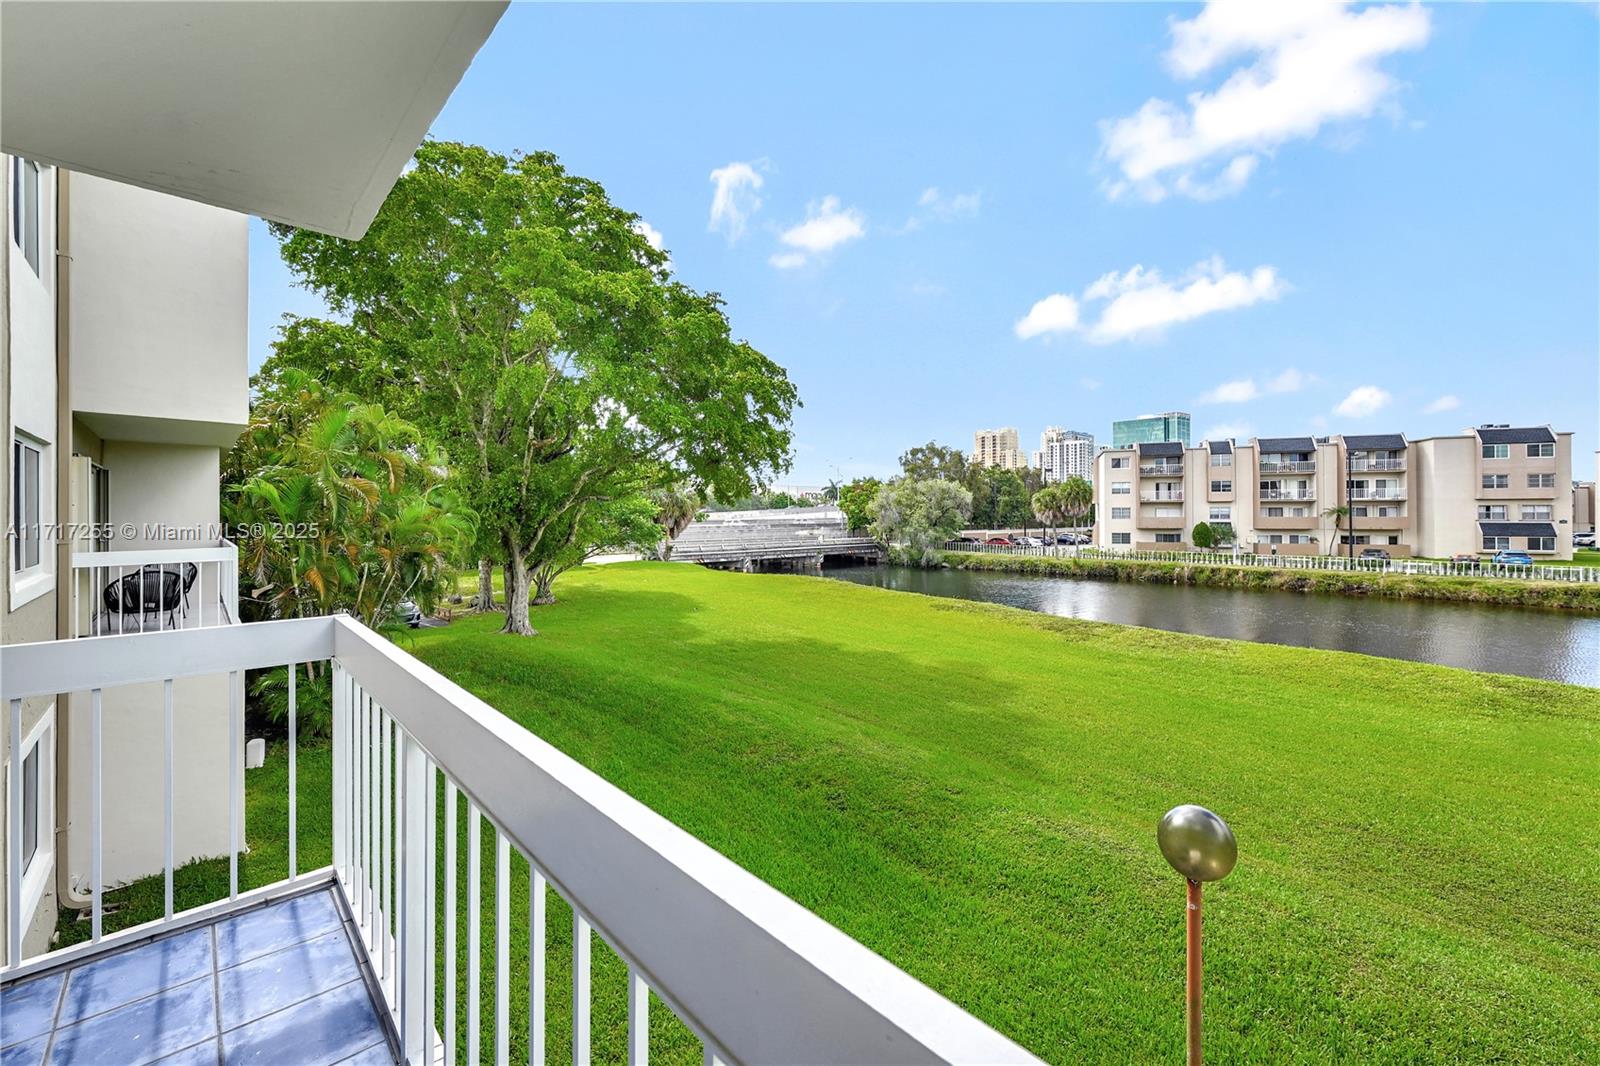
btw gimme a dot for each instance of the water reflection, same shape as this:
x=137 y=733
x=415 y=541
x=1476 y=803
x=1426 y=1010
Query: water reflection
x=1508 y=640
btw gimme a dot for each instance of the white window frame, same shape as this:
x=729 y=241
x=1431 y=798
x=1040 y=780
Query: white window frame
x=1487 y=512
x=1221 y=459
x=1122 y=538
x=1497 y=481
x=1222 y=486
x=1121 y=513
x=1541 y=481
x=1537 y=512
x=28 y=583
x=1169 y=538
x=27 y=218
x=1221 y=514
x=1496 y=544
x=1497 y=451
x=40 y=868
x=1122 y=488
x=1546 y=450
x=1541 y=544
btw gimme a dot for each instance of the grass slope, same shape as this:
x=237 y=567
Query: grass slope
x=972 y=790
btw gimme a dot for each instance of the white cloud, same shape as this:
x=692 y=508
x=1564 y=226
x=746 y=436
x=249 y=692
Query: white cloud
x=1090 y=384
x=735 y=199
x=1228 y=431
x=652 y=237
x=826 y=227
x=1315 y=63
x=944 y=207
x=1245 y=389
x=1364 y=400
x=1447 y=402
x=1056 y=313
x=1142 y=303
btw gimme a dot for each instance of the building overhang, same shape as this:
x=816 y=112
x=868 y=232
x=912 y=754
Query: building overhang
x=145 y=430
x=304 y=113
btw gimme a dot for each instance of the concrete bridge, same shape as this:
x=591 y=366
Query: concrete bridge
x=795 y=538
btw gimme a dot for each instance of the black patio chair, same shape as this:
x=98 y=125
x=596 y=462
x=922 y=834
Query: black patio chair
x=153 y=588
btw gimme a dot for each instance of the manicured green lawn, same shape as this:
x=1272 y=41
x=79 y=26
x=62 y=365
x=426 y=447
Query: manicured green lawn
x=972 y=791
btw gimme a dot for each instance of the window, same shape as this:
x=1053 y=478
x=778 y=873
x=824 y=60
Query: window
x=1541 y=481
x=1169 y=512
x=38 y=818
x=1222 y=460
x=1222 y=486
x=1121 y=488
x=1297 y=512
x=1499 y=481
x=1122 y=538
x=1541 y=544
x=1491 y=512
x=1274 y=512
x=1536 y=512
x=1221 y=514
x=1299 y=538
x=1360 y=538
x=1497 y=451
x=1122 y=512
x=1120 y=462
x=25 y=209
x=1496 y=544
x=27 y=463
x=1541 y=451
x=1169 y=538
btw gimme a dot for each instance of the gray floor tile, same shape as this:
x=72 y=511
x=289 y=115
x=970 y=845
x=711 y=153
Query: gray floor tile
x=142 y=1031
x=318 y=1032
x=276 y=926
x=376 y=1055
x=28 y=1008
x=207 y=1054
x=98 y=986
x=271 y=982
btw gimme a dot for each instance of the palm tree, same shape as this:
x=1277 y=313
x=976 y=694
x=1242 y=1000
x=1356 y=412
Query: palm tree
x=1078 y=495
x=1051 y=506
x=676 y=507
x=1339 y=514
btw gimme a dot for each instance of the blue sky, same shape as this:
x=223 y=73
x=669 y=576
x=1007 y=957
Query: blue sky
x=1061 y=215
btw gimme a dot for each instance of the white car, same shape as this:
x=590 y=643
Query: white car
x=409 y=613
x=1583 y=540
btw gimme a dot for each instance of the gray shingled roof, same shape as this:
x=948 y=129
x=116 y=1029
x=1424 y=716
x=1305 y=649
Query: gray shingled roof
x=1515 y=435
x=1285 y=444
x=1518 y=529
x=1161 y=448
x=1372 y=441
x=1221 y=447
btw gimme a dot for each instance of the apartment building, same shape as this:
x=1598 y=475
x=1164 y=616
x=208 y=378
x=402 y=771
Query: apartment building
x=997 y=448
x=1487 y=489
x=1151 y=429
x=1064 y=453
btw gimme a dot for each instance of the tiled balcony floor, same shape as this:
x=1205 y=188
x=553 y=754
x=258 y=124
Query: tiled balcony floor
x=282 y=984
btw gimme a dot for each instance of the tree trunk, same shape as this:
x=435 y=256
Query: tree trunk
x=517 y=593
x=484 y=601
x=543 y=587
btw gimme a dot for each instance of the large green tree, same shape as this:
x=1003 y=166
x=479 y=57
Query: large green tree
x=919 y=516
x=855 y=499
x=934 y=462
x=513 y=311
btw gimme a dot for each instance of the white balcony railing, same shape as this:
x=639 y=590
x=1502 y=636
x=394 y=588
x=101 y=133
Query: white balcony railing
x=1288 y=494
x=1162 y=496
x=1378 y=494
x=756 y=976
x=1377 y=466
x=1300 y=466
x=1161 y=470
x=149 y=590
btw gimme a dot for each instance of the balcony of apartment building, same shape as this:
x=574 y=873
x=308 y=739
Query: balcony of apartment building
x=1161 y=459
x=1374 y=453
x=1162 y=494
x=1162 y=468
x=1286 y=455
x=1287 y=509
x=380 y=950
x=1161 y=518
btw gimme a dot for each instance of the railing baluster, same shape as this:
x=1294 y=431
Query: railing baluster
x=536 y=965
x=638 y=1020
x=96 y=811
x=235 y=786
x=385 y=852
x=340 y=747
x=370 y=741
x=14 y=842
x=411 y=778
x=449 y=921
x=474 y=932
x=502 y=948
x=294 y=796
x=167 y=744
x=580 y=989
x=430 y=894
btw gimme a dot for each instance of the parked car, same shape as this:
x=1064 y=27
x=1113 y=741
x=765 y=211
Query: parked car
x=1465 y=559
x=1512 y=559
x=1583 y=540
x=409 y=613
x=967 y=540
x=1375 y=553
x=1030 y=542
x=1068 y=538
x=999 y=542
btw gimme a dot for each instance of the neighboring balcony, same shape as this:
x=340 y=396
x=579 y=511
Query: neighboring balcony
x=1147 y=521
x=1300 y=495
x=1303 y=466
x=362 y=958
x=1161 y=470
x=1376 y=466
x=1162 y=496
x=1391 y=493
x=149 y=590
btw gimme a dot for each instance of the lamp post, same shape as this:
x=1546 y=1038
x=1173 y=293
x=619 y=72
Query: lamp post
x=1200 y=846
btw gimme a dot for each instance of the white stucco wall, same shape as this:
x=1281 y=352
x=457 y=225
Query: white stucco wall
x=158 y=306
x=163 y=485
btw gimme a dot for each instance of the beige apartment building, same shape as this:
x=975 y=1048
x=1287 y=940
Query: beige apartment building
x=1491 y=488
x=998 y=448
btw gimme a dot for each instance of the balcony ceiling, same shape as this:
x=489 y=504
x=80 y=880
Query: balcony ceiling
x=303 y=113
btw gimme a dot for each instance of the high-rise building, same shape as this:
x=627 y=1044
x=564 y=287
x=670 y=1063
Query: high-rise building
x=1065 y=453
x=1151 y=429
x=997 y=448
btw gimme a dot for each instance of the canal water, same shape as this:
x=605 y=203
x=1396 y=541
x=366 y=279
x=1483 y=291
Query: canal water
x=1558 y=646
